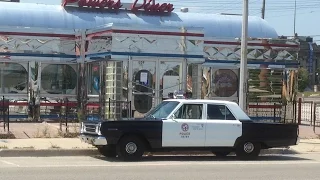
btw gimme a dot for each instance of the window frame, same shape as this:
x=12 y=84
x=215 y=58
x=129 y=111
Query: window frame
x=220 y=104
x=189 y=103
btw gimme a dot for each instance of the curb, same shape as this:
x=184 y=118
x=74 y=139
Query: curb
x=47 y=152
x=276 y=151
x=95 y=152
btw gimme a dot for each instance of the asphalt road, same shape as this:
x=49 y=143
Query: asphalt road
x=178 y=168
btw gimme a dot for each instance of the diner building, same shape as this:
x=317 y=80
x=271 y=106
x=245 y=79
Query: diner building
x=100 y=58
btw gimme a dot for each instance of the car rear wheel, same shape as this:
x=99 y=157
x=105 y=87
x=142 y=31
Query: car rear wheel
x=108 y=151
x=130 y=148
x=248 y=150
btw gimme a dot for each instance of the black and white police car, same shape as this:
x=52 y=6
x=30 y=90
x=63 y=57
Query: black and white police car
x=221 y=127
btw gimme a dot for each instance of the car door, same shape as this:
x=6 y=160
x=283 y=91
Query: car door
x=222 y=127
x=186 y=128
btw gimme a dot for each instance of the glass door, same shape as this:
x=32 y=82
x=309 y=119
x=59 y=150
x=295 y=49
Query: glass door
x=171 y=78
x=143 y=86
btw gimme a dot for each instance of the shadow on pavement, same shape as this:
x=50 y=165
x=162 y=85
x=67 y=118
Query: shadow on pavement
x=207 y=158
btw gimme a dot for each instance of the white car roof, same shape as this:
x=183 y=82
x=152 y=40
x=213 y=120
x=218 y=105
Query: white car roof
x=203 y=101
x=234 y=107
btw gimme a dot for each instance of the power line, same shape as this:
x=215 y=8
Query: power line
x=274 y=9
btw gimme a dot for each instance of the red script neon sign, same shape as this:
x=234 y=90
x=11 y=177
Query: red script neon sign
x=147 y=5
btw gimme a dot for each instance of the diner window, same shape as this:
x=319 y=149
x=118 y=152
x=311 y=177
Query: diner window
x=59 y=79
x=189 y=111
x=219 y=112
x=13 y=78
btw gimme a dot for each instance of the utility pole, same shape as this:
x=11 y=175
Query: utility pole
x=263 y=10
x=294 y=18
x=243 y=62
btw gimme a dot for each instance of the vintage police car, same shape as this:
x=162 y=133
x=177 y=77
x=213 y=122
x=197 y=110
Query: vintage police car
x=189 y=125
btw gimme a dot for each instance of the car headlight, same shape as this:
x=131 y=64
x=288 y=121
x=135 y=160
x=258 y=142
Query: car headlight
x=98 y=129
x=82 y=127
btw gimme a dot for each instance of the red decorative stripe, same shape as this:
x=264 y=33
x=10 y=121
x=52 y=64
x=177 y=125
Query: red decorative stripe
x=93 y=105
x=159 y=33
x=37 y=34
x=251 y=44
x=69 y=104
x=265 y=106
x=98 y=33
x=146 y=32
x=13 y=104
x=55 y=104
x=74 y=104
x=16 y=104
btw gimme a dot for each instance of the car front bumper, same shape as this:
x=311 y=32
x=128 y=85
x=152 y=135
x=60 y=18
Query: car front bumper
x=94 y=140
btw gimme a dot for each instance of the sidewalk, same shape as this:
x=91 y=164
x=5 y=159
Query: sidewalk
x=44 y=143
x=26 y=130
x=307 y=146
x=306 y=132
x=44 y=147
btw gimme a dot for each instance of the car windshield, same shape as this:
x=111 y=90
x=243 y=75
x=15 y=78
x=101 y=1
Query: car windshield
x=162 y=110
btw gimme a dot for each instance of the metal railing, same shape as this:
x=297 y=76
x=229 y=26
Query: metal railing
x=309 y=113
x=4 y=116
x=276 y=112
x=118 y=109
x=315 y=121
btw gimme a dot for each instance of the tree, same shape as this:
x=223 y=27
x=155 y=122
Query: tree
x=303 y=79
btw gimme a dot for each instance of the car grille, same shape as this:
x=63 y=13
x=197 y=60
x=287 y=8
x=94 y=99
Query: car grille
x=90 y=128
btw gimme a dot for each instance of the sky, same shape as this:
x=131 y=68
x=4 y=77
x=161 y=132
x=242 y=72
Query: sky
x=279 y=13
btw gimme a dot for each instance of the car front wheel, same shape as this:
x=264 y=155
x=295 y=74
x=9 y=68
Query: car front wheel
x=130 y=148
x=248 y=150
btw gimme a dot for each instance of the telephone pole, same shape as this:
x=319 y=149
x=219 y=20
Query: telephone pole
x=294 y=18
x=243 y=61
x=263 y=10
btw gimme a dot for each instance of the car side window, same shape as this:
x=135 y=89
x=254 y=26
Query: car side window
x=189 y=111
x=219 y=112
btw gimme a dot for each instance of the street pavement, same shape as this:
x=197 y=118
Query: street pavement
x=47 y=145
x=68 y=146
x=291 y=167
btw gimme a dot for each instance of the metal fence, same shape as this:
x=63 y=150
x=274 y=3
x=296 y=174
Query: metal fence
x=273 y=112
x=65 y=111
x=4 y=114
x=263 y=111
x=60 y=111
x=118 y=109
x=309 y=113
x=305 y=111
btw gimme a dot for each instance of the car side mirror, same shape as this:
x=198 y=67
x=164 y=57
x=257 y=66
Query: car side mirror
x=173 y=117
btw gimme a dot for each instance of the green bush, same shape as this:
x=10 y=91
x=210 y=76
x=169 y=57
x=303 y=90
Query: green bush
x=303 y=79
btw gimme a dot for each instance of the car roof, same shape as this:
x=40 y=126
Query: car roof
x=203 y=101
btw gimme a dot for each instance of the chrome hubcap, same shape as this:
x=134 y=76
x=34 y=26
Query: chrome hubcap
x=131 y=148
x=248 y=147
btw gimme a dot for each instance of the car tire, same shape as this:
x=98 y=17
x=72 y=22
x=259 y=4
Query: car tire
x=130 y=148
x=248 y=150
x=108 y=151
x=221 y=154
